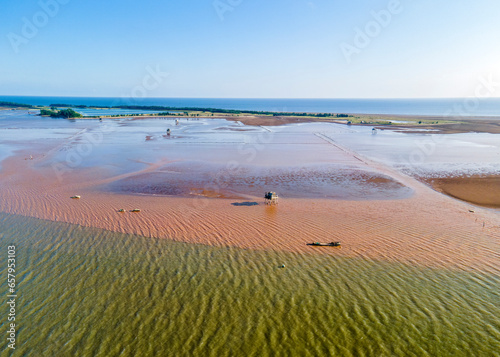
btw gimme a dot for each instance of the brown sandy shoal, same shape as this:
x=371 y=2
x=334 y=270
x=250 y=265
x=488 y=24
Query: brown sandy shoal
x=465 y=125
x=468 y=126
x=452 y=125
x=427 y=229
x=479 y=190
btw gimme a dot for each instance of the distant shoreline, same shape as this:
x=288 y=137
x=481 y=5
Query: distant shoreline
x=459 y=106
x=396 y=122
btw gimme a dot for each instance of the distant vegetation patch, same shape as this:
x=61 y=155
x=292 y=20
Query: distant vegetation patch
x=65 y=113
x=164 y=110
x=15 y=105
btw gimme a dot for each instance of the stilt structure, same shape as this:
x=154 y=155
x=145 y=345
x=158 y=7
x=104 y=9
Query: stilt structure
x=271 y=198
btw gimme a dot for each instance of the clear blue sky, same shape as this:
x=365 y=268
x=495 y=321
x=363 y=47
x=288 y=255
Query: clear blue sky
x=275 y=49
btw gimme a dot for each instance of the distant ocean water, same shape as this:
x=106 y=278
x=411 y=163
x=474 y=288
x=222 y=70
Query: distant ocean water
x=443 y=106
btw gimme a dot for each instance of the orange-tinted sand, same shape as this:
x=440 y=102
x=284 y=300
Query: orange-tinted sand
x=428 y=228
x=480 y=190
x=452 y=125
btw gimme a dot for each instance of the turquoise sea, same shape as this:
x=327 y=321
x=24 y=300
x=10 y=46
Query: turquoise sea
x=456 y=107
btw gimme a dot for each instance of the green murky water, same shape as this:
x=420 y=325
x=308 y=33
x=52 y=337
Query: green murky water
x=88 y=292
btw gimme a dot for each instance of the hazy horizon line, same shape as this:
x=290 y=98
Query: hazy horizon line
x=260 y=98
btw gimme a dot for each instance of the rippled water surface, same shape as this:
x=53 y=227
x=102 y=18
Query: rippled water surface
x=88 y=292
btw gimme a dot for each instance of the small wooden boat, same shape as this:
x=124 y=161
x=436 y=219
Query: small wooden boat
x=75 y=197
x=121 y=210
x=331 y=244
x=136 y=210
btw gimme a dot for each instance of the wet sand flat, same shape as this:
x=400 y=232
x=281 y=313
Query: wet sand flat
x=428 y=229
x=423 y=227
x=308 y=182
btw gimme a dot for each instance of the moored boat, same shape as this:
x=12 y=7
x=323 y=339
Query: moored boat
x=331 y=244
